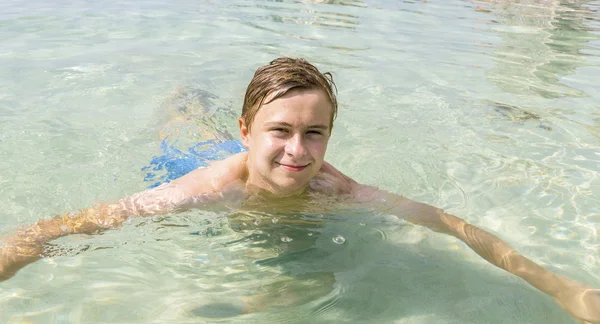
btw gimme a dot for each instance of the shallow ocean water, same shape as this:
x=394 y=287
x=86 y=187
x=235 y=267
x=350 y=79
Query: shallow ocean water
x=488 y=109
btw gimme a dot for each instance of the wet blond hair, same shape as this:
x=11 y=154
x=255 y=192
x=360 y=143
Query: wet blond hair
x=280 y=76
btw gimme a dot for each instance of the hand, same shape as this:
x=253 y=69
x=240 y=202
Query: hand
x=580 y=301
x=13 y=258
x=6 y=270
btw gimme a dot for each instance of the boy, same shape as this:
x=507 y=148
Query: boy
x=286 y=122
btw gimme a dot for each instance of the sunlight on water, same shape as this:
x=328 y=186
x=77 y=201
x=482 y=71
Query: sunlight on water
x=488 y=109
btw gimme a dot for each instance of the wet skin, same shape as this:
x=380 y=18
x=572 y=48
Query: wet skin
x=287 y=141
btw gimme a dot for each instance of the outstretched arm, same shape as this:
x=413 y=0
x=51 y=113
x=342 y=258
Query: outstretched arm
x=27 y=245
x=580 y=301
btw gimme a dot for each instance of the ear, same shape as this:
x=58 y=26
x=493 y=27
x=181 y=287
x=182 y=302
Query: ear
x=244 y=132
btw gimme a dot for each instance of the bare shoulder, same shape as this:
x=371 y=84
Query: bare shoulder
x=329 y=169
x=332 y=181
x=216 y=176
x=230 y=170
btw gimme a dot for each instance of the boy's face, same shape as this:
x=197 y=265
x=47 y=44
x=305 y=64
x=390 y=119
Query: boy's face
x=288 y=141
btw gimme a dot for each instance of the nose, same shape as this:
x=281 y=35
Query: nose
x=295 y=146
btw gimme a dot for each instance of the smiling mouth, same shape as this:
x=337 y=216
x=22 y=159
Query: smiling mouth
x=293 y=167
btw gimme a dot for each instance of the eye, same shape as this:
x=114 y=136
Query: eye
x=279 y=130
x=314 y=132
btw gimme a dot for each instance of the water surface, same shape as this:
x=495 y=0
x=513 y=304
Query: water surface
x=488 y=109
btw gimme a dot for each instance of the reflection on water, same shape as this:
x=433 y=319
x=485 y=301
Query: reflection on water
x=357 y=3
x=305 y=16
x=542 y=41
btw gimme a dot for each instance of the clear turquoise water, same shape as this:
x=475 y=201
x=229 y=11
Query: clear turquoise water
x=487 y=109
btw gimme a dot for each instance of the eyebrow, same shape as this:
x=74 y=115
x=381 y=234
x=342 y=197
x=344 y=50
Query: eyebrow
x=318 y=126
